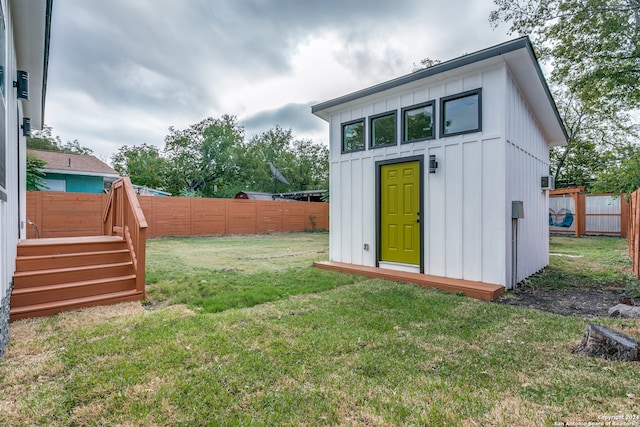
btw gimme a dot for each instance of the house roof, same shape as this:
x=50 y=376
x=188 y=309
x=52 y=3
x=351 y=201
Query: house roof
x=32 y=33
x=521 y=60
x=73 y=164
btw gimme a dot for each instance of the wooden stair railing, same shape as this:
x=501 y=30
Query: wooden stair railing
x=123 y=217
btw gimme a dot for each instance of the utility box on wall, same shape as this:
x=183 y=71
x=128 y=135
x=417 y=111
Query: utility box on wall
x=517 y=209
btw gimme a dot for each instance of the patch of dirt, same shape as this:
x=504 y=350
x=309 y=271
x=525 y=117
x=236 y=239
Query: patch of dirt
x=570 y=301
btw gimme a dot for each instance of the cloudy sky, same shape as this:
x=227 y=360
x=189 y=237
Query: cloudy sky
x=121 y=72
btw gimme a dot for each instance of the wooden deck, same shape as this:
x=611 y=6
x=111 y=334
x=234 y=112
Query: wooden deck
x=478 y=290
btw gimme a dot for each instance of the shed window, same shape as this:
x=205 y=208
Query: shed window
x=383 y=130
x=417 y=122
x=353 y=136
x=461 y=113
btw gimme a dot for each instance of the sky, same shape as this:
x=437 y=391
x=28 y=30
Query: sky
x=121 y=72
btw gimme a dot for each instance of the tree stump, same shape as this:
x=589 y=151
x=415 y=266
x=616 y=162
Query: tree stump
x=600 y=341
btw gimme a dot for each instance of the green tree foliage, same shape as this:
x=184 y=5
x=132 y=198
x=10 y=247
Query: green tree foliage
x=303 y=163
x=44 y=140
x=595 y=138
x=212 y=159
x=142 y=164
x=35 y=176
x=74 y=147
x=623 y=176
x=594 y=45
x=202 y=158
x=311 y=162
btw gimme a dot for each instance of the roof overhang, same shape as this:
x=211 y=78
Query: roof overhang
x=521 y=61
x=32 y=32
x=81 y=173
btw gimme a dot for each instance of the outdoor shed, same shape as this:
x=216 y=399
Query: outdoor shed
x=440 y=172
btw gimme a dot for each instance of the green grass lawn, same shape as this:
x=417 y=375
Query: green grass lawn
x=355 y=352
x=219 y=273
x=586 y=261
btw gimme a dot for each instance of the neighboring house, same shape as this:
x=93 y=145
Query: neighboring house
x=424 y=169
x=141 y=190
x=75 y=173
x=24 y=46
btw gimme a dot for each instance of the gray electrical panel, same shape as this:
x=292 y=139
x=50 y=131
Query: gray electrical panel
x=517 y=209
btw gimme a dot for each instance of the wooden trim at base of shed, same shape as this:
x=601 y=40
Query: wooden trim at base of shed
x=478 y=290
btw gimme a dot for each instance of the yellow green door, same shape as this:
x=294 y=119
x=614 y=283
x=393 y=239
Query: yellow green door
x=400 y=212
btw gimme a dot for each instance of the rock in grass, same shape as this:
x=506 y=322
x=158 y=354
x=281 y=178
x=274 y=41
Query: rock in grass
x=600 y=341
x=624 y=310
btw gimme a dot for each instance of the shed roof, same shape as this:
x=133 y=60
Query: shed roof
x=73 y=164
x=519 y=56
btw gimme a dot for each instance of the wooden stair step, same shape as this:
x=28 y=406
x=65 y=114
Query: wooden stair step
x=62 y=245
x=77 y=259
x=48 y=309
x=70 y=274
x=49 y=293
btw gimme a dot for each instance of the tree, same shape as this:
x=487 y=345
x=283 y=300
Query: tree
x=44 y=140
x=594 y=141
x=312 y=165
x=594 y=49
x=35 y=176
x=74 y=147
x=142 y=164
x=594 y=45
x=270 y=147
x=203 y=157
x=303 y=163
x=425 y=63
x=623 y=176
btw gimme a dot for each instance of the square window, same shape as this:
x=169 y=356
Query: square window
x=353 y=136
x=461 y=113
x=383 y=130
x=417 y=122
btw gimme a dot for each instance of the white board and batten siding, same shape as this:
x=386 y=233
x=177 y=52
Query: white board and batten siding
x=467 y=202
x=25 y=33
x=12 y=201
x=527 y=161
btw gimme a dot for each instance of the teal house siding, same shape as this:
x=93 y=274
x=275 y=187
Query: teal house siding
x=79 y=183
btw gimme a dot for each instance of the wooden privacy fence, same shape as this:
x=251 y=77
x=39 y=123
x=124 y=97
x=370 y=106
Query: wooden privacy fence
x=633 y=233
x=571 y=212
x=79 y=214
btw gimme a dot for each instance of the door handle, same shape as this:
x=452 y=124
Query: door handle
x=418 y=220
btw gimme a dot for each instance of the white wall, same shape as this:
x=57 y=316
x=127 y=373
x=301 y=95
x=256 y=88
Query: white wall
x=527 y=161
x=11 y=211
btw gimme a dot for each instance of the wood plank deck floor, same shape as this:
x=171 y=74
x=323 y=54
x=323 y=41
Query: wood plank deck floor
x=478 y=290
x=65 y=240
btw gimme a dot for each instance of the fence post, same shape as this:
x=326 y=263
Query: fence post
x=635 y=232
